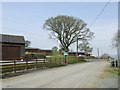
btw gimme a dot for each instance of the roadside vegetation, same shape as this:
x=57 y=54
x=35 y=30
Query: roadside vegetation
x=112 y=71
x=34 y=63
x=90 y=57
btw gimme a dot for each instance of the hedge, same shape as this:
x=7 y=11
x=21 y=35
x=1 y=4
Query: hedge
x=90 y=57
x=56 y=61
x=30 y=56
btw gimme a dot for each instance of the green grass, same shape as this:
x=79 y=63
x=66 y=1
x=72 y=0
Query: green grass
x=112 y=71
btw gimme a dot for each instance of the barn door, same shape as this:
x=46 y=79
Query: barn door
x=11 y=52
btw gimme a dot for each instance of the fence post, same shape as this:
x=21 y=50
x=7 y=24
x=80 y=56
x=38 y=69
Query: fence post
x=36 y=63
x=44 y=61
x=14 y=66
x=50 y=62
x=55 y=61
x=65 y=59
x=60 y=61
x=26 y=64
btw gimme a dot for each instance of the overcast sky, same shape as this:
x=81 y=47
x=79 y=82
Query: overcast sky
x=27 y=19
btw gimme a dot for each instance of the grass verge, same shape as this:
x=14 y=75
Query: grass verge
x=112 y=71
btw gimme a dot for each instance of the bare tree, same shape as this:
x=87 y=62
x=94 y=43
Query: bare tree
x=84 y=46
x=55 y=48
x=66 y=29
x=27 y=43
x=116 y=40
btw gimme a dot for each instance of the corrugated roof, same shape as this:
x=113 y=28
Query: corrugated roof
x=12 y=38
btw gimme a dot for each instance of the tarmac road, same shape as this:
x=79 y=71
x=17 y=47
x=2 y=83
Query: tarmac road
x=81 y=75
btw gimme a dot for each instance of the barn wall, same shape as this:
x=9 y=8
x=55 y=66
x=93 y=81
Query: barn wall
x=22 y=50
x=12 y=51
x=0 y=47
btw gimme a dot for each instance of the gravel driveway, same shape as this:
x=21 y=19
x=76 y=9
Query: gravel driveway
x=81 y=75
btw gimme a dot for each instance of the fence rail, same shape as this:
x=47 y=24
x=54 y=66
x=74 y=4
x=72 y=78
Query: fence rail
x=14 y=66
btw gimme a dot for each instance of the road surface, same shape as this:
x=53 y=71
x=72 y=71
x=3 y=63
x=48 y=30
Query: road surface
x=81 y=75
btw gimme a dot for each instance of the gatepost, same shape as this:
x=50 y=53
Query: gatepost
x=65 y=54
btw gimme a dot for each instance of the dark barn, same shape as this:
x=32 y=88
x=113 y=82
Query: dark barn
x=13 y=47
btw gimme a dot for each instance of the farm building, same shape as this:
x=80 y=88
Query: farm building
x=49 y=52
x=79 y=53
x=37 y=50
x=13 y=47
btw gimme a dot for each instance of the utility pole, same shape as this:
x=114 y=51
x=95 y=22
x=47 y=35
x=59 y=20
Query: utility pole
x=118 y=50
x=98 y=52
x=77 y=47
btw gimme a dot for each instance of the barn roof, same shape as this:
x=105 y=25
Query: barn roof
x=78 y=52
x=31 y=48
x=27 y=48
x=12 y=39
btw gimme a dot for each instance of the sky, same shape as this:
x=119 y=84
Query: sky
x=27 y=19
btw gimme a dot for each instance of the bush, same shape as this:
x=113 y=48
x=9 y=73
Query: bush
x=55 y=61
x=55 y=53
x=90 y=57
x=30 y=56
x=71 y=59
x=81 y=59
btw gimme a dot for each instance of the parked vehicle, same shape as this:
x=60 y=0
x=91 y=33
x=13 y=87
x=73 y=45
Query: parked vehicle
x=114 y=63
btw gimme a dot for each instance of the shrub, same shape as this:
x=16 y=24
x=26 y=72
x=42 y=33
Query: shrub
x=90 y=57
x=55 y=53
x=30 y=56
x=55 y=61
x=81 y=59
x=72 y=59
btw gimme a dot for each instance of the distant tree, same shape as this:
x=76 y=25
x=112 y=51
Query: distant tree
x=105 y=56
x=27 y=43
x=55 y=48
x=71 y=50
x=84 y=46
x=116 y=40
x=66 y=29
